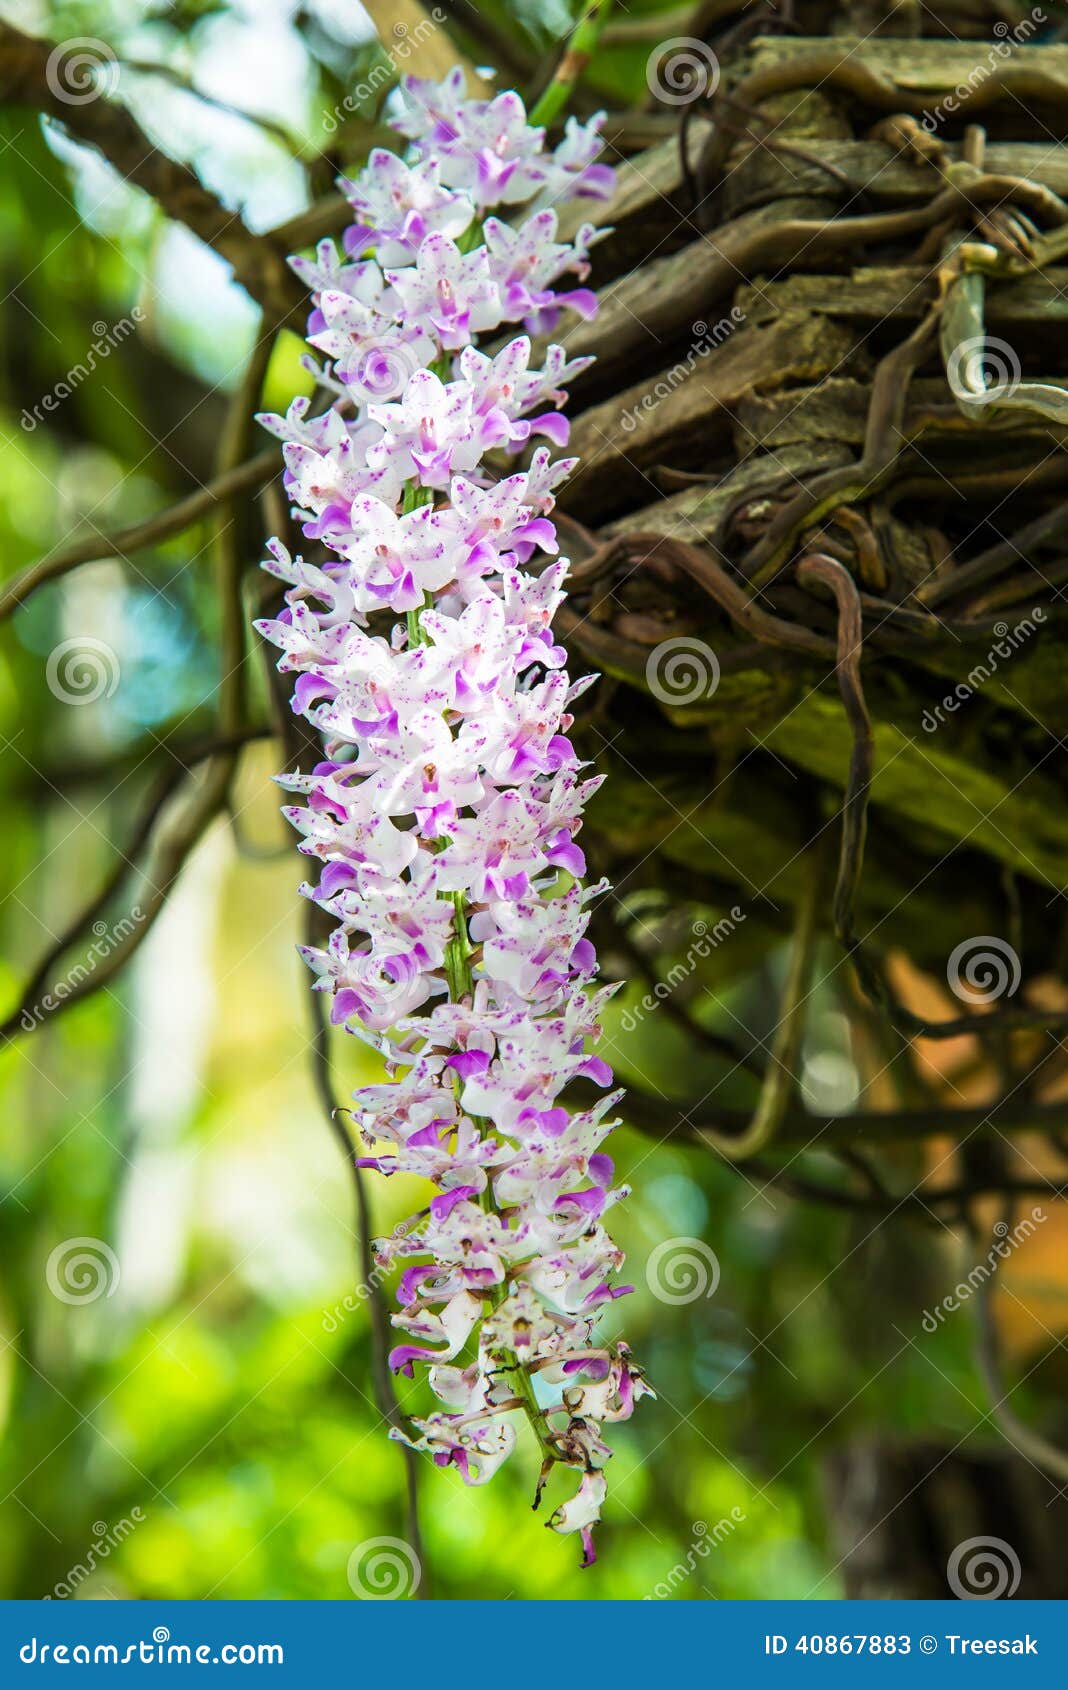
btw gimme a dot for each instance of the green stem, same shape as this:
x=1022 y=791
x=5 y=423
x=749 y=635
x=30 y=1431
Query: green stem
x=573 y=61
x=780 y=1078
x=525 y=1389
x=524 y=1385
x=461 y=985
x=415 y=633
x=413 y=499
x=458 y=953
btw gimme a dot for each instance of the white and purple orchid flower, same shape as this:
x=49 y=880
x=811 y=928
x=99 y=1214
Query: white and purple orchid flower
x=445 y=812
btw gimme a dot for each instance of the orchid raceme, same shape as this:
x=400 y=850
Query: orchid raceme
x=444 y=815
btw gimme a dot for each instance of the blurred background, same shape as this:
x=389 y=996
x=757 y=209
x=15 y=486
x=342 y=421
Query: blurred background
x=185 y=1398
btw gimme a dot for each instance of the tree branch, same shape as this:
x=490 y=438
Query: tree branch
x=32 y=74
x=174 y=849
x=920 y=1203
x=818 y=567
x=381 y=1380
x=663 y=1118
x=779 y=1084
x=988 y=1360
x=121 y=542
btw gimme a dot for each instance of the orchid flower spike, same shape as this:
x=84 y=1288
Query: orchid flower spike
x=441 y=824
